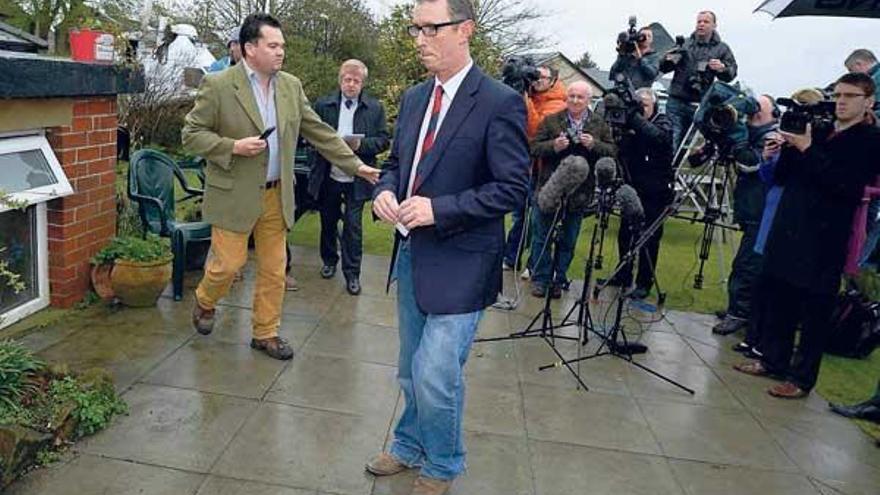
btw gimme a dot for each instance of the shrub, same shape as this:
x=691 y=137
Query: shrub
x=18 y=370
x=132 y=248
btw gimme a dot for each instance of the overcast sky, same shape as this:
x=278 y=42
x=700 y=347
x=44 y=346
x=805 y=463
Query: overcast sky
x=774 y=56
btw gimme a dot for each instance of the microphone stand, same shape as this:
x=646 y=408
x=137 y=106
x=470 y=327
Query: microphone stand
x=610 y=345
x=546 y=330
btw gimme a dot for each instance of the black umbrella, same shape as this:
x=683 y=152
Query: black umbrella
x=834 y=8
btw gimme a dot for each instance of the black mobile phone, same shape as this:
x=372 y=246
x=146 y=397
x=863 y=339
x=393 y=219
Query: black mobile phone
x=267 y=133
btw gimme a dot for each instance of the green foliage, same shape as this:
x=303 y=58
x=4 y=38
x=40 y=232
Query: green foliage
x=9 y=278
x=96 y=402
x=18 y=369
x=47 y=456
x=132 y=248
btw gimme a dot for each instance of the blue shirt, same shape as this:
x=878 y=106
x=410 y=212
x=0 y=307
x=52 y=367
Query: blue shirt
x=266 y=105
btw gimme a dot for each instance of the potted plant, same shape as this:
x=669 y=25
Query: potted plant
x=141 y=268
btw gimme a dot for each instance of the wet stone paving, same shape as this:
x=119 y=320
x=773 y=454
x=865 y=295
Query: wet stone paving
x=208 y=415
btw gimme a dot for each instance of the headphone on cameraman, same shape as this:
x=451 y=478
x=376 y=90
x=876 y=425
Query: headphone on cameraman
x=776 y=111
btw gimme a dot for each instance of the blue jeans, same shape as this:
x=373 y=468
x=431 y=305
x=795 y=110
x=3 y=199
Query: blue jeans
x=681 y=115
x=433 y=351
x=512 y=250
x=542 y=224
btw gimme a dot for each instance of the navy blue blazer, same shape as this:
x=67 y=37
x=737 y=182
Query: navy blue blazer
x=475 y=173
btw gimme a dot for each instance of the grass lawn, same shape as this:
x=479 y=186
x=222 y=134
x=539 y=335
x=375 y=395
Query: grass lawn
x=843 y=380
x=677 y=264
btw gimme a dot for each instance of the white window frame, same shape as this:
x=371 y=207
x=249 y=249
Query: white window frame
x=31 y=142
x=37 y=197
x=42 y=300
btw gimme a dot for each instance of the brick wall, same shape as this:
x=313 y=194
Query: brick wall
x=81 y=224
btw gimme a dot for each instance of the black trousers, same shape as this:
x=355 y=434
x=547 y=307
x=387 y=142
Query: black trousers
x=744 y=274
x=650 y=251
x=783 y=307
x=337 y=203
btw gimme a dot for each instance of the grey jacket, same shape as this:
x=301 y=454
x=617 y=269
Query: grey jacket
x=699 y=53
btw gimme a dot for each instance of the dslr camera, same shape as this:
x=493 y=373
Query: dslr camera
x=519 y=72
x=629 y=40
x=795 y=119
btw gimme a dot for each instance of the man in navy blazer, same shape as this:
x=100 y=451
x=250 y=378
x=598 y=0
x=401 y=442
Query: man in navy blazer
x=458 y=164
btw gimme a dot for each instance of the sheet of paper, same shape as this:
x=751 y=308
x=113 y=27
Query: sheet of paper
x=400 y=228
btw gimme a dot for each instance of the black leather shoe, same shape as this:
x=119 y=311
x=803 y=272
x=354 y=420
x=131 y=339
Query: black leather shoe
x=353 y=286
x=730 y=325
x=869 y=410
x=328 y=271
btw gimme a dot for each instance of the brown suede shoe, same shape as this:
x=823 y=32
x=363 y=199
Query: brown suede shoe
x=787 y=390
x=430 y=486
x=203 y=319
x=384 y=464
x=754 y=368
x=275 y=347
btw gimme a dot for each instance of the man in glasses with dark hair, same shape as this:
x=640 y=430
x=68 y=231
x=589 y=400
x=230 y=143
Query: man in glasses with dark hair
x=458 y=164
x=824 y=179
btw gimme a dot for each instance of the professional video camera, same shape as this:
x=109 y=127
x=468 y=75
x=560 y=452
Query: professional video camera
x=620 y=101
x=820 y=115
x=723 y=119
x=629 y=40
x=519 y=72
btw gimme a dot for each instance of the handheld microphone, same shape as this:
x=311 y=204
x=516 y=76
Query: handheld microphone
x=606 y=172
x=568 y=176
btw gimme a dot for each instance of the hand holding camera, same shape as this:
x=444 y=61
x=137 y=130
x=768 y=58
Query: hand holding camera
x=586 y=140
x=561 y=143
x=772 y=145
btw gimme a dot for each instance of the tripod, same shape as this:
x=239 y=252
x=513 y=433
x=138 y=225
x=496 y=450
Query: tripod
x=610 y=345
x=719 y=167
x=547 y=330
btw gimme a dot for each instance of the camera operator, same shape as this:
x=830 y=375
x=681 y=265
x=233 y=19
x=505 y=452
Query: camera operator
x=824 y=179
x=646 y=152
x=864 y=61
x=696 y=63
x=577 y=130
x=748 y=206
x=546 y=96
x=642 y=65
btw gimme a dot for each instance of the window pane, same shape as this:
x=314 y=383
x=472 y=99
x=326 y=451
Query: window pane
x=23 y=170
x=18 y=239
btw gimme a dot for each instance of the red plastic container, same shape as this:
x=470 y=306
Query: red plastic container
x=91 y=46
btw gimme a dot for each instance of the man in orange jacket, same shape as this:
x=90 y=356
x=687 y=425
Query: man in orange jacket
x=546 y=97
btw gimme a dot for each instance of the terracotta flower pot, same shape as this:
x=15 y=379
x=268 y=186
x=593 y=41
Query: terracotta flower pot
x=139 y=284
x=101 y=281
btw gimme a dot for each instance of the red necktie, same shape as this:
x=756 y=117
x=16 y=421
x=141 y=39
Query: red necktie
x=428 y=142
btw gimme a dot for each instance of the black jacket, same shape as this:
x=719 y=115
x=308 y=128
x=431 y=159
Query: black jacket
x=698 y=52
x=369 y=120
x=750 y=190
x=823 y=187
x=542 y=148
x=642 y=72
x=646 y=153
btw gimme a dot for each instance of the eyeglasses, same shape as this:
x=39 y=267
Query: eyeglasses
x=848 y=96
x=430 y=30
